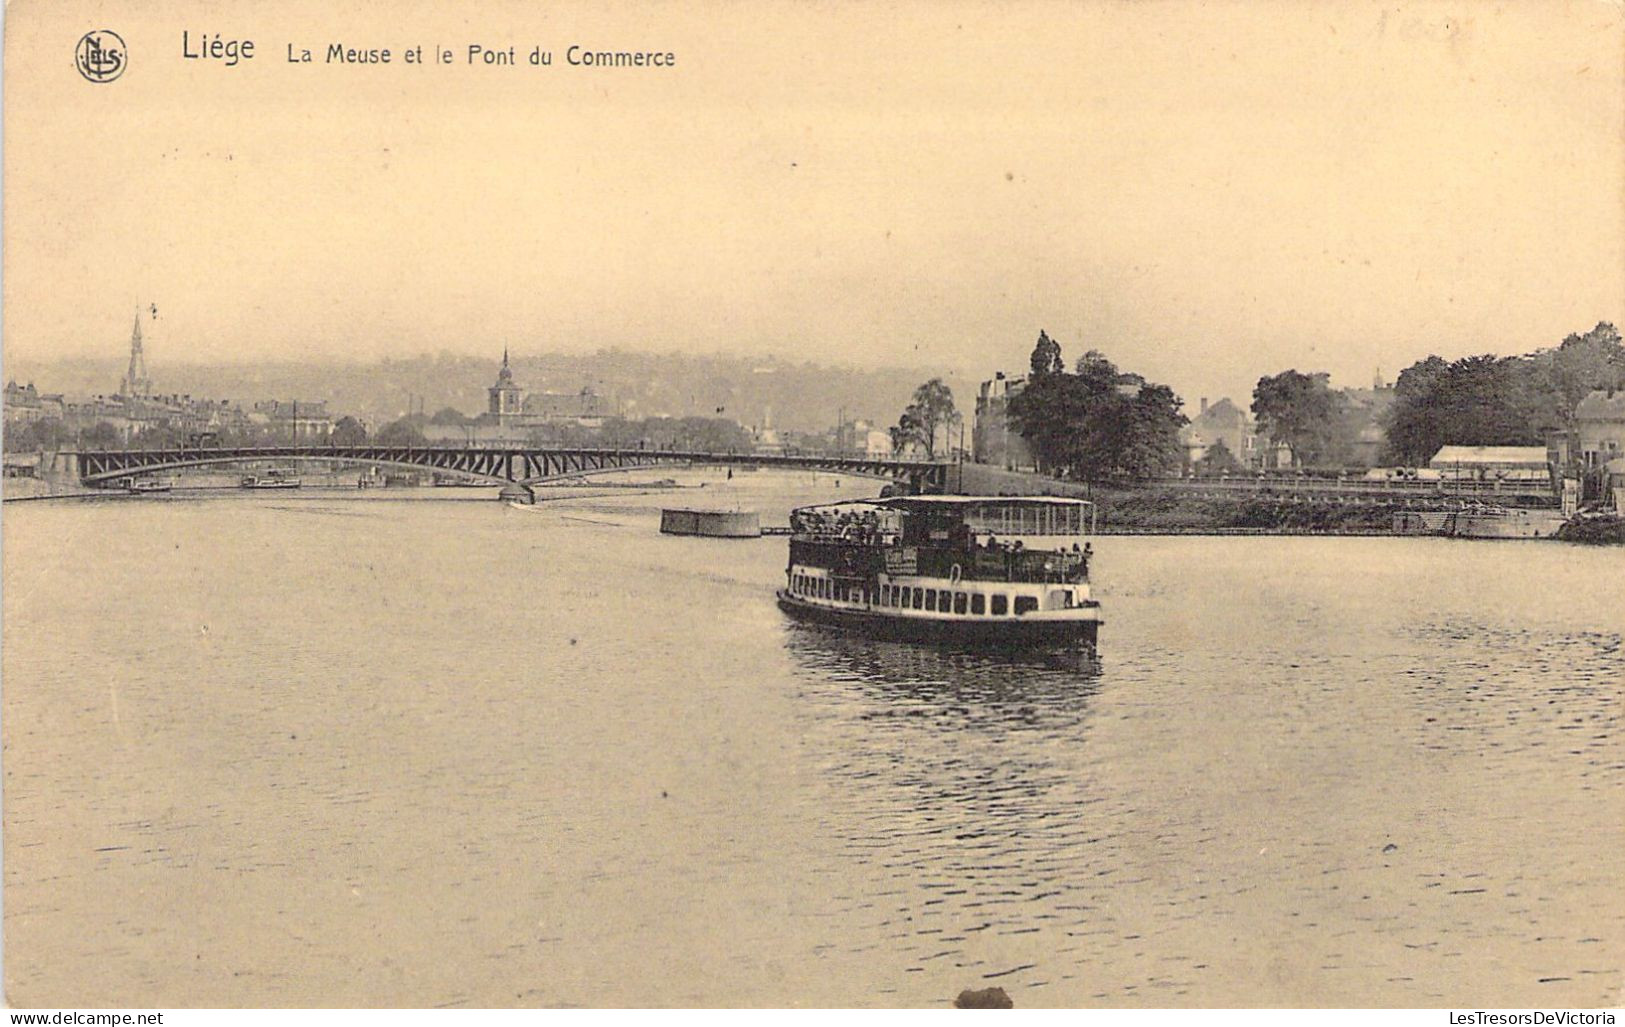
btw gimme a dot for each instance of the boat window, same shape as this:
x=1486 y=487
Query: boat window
x=1026 y=604
x=919 y=599
x=959 y=602
x=930 y=599
x=1060 y=599
x=978 y=604
x=1001 y=605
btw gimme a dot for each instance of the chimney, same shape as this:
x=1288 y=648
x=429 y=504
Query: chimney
x=1204 y=405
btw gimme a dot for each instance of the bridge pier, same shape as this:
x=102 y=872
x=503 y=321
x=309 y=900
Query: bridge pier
x=514 y=492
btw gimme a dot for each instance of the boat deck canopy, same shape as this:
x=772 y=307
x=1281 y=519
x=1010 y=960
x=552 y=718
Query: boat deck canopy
x=933 y=516
x=940 y=502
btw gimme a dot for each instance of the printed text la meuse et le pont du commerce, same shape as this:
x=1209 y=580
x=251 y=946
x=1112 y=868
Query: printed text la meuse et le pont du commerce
x=210 y=46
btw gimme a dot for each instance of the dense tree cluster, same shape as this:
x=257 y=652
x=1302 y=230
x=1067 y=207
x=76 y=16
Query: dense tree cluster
x=1499 y=401
x=694 y=434
x=1097 y=422
x=45 y=433
x=407 y=431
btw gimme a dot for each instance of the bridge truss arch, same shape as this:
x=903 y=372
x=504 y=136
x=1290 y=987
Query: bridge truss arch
x=523 y=465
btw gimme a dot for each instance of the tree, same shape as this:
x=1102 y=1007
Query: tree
x=563 y=433
x=348 y=432
x=101 y=435
x=905 y=432
x=1302 y=411
x=1583 y=363
x=1099 y=422
x=930 y=414
x=449 y=416
x=45 y=433
x=1150 y=437
x=1047 y=356
x=1414 y=432
x=407 y=431
x=1218 y=460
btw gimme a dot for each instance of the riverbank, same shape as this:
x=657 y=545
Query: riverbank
x=1595 y=531
x=1143 y=511
x=1159 y=510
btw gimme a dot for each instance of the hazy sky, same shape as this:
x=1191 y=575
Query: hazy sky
x=1205 y=192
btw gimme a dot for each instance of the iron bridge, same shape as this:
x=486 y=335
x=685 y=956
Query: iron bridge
x=500 y=465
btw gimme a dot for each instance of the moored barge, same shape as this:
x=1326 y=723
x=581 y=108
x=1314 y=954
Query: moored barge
x=275 y=478
x=999 y=571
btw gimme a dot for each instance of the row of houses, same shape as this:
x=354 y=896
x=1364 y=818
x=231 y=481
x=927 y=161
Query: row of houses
x=129 y=417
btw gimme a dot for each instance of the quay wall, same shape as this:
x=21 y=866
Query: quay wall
x=1154 y=509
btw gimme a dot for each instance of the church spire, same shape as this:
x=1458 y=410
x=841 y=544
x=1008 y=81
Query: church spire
x=505 y=395
x=135 y=381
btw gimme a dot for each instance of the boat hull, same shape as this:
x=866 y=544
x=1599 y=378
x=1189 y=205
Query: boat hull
x=1004 y=633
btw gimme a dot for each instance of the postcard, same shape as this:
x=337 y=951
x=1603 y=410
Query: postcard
x=837 y=505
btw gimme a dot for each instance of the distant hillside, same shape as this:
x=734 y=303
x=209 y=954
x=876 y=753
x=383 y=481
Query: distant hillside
x=802 y=396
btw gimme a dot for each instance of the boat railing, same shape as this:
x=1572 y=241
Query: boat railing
x=980 y=563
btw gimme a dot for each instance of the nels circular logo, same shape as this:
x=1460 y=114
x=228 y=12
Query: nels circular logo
x=101 y=56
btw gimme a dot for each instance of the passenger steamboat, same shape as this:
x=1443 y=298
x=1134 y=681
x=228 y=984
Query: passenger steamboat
x=999 y=571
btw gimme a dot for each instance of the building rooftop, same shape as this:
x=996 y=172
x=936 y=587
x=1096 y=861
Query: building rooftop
x=1448 y=455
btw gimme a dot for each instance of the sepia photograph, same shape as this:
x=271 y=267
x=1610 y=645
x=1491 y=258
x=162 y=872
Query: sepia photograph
x=813 y=504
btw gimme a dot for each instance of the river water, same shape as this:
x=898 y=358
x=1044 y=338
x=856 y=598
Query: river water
x=370 y=750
